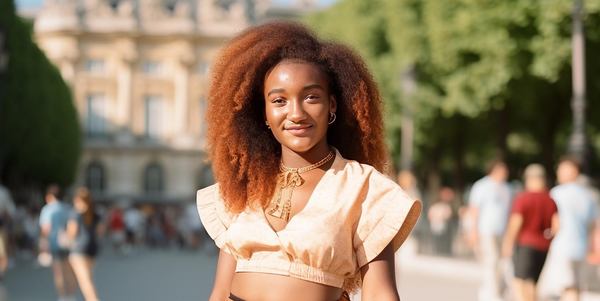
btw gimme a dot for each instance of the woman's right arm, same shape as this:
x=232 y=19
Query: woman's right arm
x=72 y=228
x=223 y=277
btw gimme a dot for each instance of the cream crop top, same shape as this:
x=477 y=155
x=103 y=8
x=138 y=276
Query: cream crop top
x=353 y=213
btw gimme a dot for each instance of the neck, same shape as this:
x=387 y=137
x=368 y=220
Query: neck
x=497 y=179
x=292 y=159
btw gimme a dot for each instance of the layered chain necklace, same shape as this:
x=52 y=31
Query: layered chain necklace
x=288 y=179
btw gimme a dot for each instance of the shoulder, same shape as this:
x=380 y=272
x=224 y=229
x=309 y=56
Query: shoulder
x=208 y=194
x=356 y=170
x=209 y=199
x=480 y=184
x=522 y=197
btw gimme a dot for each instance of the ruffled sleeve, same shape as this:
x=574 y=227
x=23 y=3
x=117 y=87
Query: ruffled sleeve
x=387 y=215
x=213 y=214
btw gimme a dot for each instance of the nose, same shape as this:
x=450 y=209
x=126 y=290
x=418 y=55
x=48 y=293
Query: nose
x=296 y=112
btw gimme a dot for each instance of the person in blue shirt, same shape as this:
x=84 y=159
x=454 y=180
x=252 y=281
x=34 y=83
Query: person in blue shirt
x=577 y=212
x=53 y=222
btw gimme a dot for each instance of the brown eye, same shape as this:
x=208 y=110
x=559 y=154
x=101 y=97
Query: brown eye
x=312 y=97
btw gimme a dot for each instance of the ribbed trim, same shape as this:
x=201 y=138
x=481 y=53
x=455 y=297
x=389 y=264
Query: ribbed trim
x=292 y=269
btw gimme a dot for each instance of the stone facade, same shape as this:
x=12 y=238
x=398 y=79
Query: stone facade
x=138 y=73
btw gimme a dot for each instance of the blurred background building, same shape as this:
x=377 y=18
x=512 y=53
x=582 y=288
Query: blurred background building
x=138 y=72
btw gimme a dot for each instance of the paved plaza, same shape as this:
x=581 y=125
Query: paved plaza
x=187 y=275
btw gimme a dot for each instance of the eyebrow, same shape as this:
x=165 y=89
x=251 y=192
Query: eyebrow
x=307 y=87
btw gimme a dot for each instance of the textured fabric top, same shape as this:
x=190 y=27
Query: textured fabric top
x=353 y=213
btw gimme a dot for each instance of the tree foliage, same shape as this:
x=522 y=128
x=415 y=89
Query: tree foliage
x=493 y=77
x=39 y=130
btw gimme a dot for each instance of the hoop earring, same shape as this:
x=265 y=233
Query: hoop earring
x=332 y=118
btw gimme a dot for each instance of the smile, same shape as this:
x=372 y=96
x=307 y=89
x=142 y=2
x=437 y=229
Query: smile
x=298 y=129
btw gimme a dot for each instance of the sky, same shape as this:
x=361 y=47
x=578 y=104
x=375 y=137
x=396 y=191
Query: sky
x=32 y=4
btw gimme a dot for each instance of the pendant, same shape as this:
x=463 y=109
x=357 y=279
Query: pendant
x=281 y=204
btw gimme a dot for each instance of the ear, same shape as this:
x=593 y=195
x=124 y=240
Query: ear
x=332 y=103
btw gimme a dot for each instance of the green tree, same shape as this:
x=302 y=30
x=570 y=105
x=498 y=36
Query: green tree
x=39 y=130
x=493 y=77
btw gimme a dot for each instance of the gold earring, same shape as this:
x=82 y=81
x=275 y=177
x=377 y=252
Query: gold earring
x=332 y=117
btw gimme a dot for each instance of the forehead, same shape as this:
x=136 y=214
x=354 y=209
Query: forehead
x=567 y=164
x=295 y=72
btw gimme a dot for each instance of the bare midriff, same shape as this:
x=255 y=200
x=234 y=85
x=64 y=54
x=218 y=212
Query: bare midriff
x=272 y=287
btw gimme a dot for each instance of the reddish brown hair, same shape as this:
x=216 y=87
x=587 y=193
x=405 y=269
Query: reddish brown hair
x=245 y=155
x=85 y=195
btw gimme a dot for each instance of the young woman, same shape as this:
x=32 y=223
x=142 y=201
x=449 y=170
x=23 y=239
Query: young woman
x=82 y=229
x=301 y=210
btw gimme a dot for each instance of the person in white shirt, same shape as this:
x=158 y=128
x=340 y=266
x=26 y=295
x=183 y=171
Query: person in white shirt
x=489 y=205
x=577 y=212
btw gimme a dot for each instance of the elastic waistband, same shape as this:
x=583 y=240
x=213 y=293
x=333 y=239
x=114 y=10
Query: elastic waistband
x=292 y=269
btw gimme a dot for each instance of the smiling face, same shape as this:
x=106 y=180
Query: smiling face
x=298 y=105
x=79 y=204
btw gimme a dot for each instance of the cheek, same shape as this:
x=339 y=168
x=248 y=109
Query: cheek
x=322 y=114
x=274 y=114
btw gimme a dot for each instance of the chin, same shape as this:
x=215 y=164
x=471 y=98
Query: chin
x=299 y=146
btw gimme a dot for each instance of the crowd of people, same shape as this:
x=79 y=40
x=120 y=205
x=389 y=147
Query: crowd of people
x=68 y=235
x=520 y=232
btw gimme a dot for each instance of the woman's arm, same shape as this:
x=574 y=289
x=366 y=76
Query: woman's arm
x=223 y=277
x=378 y=278
x=555 y=224
x=514 y=226
x=72 y=228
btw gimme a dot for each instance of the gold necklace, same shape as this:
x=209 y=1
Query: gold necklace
x=289 y=178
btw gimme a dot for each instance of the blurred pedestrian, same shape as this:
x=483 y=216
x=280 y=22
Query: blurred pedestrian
x=82 y=229
x=489 y=205
x=532 y=224
x=8 y=216
x=408 y=182
x=116 y=224
x=193 y=220
x=3 y=252
x=441 y=216
x=134 y=224
x=53 y=222
x=577 y=212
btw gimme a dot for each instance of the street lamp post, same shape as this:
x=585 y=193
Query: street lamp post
x=408 y=83
x=577 y=143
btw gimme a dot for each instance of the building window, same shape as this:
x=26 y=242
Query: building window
x=153 y=179
x=152 y=67
x=154 y=107
x=95 y=177
x=94 y=66
x=96 y=115
x=114 y=4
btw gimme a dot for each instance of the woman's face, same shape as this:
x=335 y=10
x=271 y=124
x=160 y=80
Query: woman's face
x=79 y=204
x=298 y=104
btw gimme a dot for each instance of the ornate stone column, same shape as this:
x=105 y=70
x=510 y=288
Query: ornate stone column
x=127 y=58
x=181 y=130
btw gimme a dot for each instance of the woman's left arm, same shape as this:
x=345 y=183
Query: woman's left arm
x=378 y=278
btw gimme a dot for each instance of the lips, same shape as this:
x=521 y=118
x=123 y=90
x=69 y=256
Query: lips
x=297 y=126
x=298 y=129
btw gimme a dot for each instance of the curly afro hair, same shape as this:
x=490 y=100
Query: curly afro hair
x=245 y=156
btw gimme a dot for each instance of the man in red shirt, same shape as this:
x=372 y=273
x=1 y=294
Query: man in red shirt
x=532 y=224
